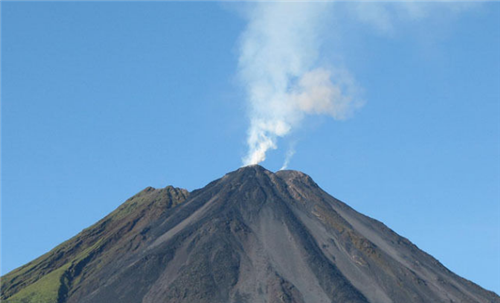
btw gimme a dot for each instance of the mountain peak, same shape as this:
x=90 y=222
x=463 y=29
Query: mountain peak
x=288 y=176
x=250 y=236
x=252 y=169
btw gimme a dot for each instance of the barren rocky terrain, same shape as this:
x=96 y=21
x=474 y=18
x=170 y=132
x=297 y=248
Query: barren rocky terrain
x=251 y=236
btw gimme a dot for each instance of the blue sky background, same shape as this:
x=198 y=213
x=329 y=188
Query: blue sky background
x=102 y=99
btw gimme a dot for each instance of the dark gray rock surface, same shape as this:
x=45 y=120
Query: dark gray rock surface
x=251 y=236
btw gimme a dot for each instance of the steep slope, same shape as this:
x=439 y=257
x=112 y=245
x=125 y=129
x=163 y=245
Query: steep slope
x=54 y=276
x=251 y=236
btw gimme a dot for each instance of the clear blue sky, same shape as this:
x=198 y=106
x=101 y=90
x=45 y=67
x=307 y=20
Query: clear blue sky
x=102 y=99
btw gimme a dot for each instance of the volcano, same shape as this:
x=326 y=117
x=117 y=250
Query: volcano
x=250 y=236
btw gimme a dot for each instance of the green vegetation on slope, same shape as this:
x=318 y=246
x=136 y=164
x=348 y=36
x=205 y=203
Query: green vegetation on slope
x=50 y=278
x=45 y=290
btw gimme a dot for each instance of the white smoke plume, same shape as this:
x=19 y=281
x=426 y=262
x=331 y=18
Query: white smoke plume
x=288 y=156
x=278 y=65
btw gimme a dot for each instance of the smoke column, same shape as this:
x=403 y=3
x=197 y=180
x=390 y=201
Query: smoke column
x=278 y=65
x=288 y=156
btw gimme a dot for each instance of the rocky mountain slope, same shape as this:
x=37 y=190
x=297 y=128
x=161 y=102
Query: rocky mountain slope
x=251 y=236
